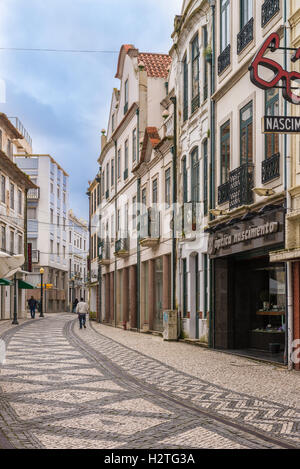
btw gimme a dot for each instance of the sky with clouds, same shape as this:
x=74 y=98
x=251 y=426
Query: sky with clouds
x=62 y=98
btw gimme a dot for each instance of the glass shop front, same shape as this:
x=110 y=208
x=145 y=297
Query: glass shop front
x=249 y=291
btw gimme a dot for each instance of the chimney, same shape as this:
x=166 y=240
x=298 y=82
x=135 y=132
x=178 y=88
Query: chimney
x=103 y=139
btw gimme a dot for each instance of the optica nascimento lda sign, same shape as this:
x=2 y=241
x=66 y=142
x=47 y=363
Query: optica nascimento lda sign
x=281 y=124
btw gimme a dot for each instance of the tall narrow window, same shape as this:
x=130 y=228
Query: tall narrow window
x=112 y=172
x=185 y=181
x=126 y=160
x=225 y=24
x=205 y=78
x=246 y=134
x=185 y=89
x=272 y=109
x=134 y=213
x=195 y=74
x=195 y=193
x=126 y=97
x=205 y=177
x=3 y=237
x=12 y=242
x=107 y=176
x=3 y=189
x=12 y=196
x=119 y=163
x=154 y=192
x=246 y=12
x=144 y=201
x=168 y=187
x=134 y=145
x=225 y=152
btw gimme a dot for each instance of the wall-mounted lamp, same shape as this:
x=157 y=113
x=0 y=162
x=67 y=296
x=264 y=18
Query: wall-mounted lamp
x=262 y=192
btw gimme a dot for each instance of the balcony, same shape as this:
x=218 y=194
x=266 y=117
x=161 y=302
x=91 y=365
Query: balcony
x=35 y=256
x=150 y=228
x=33 y=194
x=195 y=103
x=245 y=36
x=269 y=9
x=241 y=183
x=223 y=193
x=122 y=245
x=24 y=144
x=270 y=168
x=104 y=252
x=224 y=60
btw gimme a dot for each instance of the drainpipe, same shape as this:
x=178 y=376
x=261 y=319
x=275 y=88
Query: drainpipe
x=212 y=176
x=174 y=240
x=138 y=252
x=287 y=185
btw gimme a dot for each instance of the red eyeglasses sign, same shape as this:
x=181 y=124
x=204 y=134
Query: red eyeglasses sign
x=273 y=43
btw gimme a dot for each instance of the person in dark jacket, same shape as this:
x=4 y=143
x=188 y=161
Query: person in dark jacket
x=32 y=306
x=75 y=303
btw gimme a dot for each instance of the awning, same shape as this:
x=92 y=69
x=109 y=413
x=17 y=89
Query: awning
x=4 y=281
x=24 y=285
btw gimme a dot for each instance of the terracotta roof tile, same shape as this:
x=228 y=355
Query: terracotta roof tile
x=156 y=65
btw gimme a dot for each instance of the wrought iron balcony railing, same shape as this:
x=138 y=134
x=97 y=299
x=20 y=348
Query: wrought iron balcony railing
x=224 y=59
x=245 y=36
x=241 y=183
x=270 y=168
x=223 y=193
x=195 y=103
x=33 y=194
x=104 y=252
x=268 y=10
x=122 y=245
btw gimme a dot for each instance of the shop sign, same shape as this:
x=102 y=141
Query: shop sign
x=252 y=232
x=280 y=124
x=279 y=74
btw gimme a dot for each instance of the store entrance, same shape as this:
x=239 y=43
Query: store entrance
x=258 y=325
x=250 y=307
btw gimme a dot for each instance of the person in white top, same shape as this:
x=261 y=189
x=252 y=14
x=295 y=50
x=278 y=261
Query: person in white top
x=82 y=309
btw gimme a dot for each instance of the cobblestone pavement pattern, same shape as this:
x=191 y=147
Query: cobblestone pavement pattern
x=61 y=387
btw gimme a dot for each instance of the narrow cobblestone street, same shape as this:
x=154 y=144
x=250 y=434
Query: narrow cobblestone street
x=62 y=387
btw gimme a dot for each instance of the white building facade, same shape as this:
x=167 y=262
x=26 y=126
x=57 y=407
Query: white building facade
x=78 y=239
x=191 y=70
x=14 y=185
x=47 y=232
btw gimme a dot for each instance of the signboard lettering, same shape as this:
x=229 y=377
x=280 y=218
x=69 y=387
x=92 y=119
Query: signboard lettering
x=280 y=75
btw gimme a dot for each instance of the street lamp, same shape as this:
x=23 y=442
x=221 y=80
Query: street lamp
x=41 y=309
x=15 y=319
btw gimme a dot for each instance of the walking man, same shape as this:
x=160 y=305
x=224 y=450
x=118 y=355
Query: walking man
x=32 y=307
x=82 y=309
